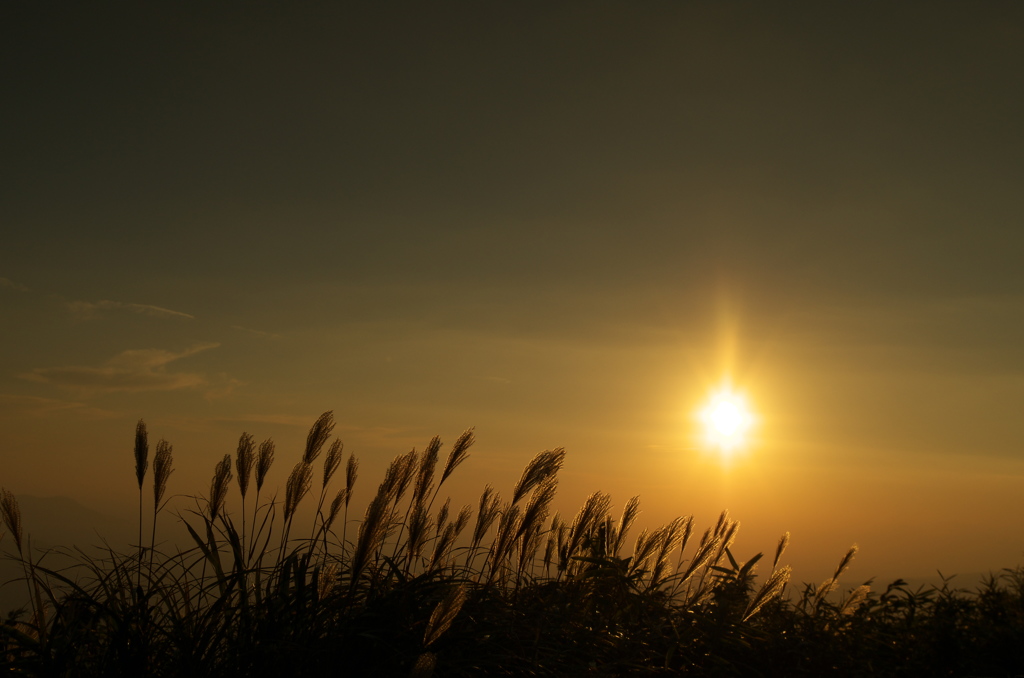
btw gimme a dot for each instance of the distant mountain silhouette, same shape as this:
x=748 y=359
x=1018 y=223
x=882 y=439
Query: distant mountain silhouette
x=53 y=522
x=62 y=521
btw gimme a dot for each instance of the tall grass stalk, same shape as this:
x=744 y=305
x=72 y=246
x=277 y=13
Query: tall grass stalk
x=141 y=464
x=245 y=460
x=11 y=513
x=264 y=460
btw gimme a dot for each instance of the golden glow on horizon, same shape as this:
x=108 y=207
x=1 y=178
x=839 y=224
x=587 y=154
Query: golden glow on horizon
x=727 y=418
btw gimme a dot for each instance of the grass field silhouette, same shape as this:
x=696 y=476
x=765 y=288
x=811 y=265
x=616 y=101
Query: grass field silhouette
x=417 y=587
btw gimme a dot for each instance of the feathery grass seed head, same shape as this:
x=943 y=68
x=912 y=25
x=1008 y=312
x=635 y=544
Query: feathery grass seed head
x=424 y=666
x=629 y=514
x=419 y=527
x=549 y=551
x=727 y=538
x=488 y=511
x=245 y=458
x=508 y=527
x=722 y=524
x=687 y=532
x=668 y=539
x=398 y=476
x=141 y=451
x=536 y=511
x=783 y=543
x=645 y=545
x=12 y=516
x=219 y=485
x=703 y=555
x=163 y=463
x=340 y=500
x=425 y=473
x=771 y=588
x=318 y=435
x=845 y=562
x=829 y=585
x=544 y=465
x=444 y=614
x=459 y=453
x=372 y=533
x=443 y=546
x=299 y=482
x=264 y=461
x=855 y=599
x=326 y=580
x=442 y=514
x=406 y=470
x=332 y=461
x=351 y=474
x=593 y=511
x=462 y=519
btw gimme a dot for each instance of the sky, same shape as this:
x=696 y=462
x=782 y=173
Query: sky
x=563 y=224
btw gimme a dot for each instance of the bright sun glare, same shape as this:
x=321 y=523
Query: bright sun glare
x=726 y=419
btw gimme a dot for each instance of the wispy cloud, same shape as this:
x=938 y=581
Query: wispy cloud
x=258 y=333
x=131 y=371
x=88 y=309
x=34 y=406
x=222 y=386
x=302 y=421
x=7 y=283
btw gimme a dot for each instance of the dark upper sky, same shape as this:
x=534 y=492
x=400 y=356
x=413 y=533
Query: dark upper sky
x=863 y=150
x=604 y=183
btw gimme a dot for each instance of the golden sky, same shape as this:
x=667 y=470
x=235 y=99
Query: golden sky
x=564 y=224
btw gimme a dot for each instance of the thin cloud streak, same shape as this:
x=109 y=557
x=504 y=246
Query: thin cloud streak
x=88 y=309
x=222 y=387
x=130 y=371
x=301 y=421
x=36 y=406
x=259 y=333
x=7 y=283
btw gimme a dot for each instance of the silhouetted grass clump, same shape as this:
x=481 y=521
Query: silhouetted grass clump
x=417 y=587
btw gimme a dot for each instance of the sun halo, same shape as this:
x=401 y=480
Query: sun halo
x=727 y=419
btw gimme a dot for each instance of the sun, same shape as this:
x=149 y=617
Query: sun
x=727 y=419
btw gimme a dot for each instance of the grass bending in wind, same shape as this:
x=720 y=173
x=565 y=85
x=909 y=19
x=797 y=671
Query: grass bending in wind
x=417 y=587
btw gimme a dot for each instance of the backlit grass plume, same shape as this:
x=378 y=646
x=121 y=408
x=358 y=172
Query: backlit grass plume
x=319 y=434
x=263 y=463
x=245 y=460
x=141 y=452
x=219 y=485
x=12 y=517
